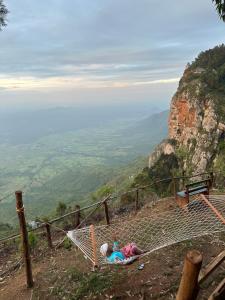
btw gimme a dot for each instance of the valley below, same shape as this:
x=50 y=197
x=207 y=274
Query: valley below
x=68 y=165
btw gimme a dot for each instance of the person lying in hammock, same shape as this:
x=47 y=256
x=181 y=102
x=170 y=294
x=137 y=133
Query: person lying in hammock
x=114 y=254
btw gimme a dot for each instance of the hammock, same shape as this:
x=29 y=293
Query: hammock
x=200 y=217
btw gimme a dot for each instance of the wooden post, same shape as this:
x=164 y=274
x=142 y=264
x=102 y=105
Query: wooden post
x=188 y=289
x=77 y=216
x=136 y=200
x=94 y=246
x=49 y=237
x=106 y=212
x=24 y=237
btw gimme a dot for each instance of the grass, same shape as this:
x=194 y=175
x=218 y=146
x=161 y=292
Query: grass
x=81 y=284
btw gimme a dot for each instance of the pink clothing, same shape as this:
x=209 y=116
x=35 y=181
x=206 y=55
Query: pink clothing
x=129 y=250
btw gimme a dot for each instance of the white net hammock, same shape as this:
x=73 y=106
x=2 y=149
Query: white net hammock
x=153 y=232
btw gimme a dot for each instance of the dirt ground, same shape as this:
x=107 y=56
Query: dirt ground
x=66 y=274
x=158 y=280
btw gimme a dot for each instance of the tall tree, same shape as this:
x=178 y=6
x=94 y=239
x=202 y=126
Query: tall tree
x=220 y=6
x=3 y=14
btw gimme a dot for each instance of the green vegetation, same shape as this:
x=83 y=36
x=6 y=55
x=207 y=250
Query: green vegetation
x=219 y=165
x=83 y=285
x=220 y=6
x=5 y=229
x=205 y=78
x=102 y=192
x=33 y=240
x=67 y=244
x=3 y=14
x=74 y=167
x=165 y=167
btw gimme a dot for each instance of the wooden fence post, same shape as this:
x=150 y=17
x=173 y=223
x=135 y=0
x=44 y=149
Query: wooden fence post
x=49 y=237
x=106 y=212
x=77 y=216
x=24 y=237
x=137 y=200
x=188 y=289
x=94 y=246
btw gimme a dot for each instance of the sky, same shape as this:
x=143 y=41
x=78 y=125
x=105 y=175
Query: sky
x=59 y=52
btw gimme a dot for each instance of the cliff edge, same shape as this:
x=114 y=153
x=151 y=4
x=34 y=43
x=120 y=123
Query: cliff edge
x=197 y=118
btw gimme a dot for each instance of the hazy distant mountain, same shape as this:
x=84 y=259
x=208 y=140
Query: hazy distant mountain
x=156 y=124
x=28 y=126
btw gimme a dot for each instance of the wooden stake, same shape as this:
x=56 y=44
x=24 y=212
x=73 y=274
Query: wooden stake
x=24 y=237
x=106 y=212
x=188 y=289
x=136 y=200
x=94 y=246
x=77 y=216
x=49 y=237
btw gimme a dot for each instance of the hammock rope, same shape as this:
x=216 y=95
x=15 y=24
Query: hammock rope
x=153 y=232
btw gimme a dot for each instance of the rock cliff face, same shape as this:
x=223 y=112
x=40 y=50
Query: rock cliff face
x=194 y=125
x=196 y=120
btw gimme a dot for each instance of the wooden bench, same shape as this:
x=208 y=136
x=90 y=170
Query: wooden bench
x=191 y=189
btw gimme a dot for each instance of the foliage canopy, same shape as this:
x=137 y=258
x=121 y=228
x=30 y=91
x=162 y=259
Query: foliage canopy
x=220 y=6
x=3 y=14
x=205 y=78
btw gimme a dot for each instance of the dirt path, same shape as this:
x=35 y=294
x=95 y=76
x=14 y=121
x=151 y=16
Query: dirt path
x=15 y=288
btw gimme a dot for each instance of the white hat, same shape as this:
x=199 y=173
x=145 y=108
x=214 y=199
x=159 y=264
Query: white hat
x=104 y=248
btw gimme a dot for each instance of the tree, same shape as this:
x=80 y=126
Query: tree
x=3 y=13
x=61 y=209
x=220 y=7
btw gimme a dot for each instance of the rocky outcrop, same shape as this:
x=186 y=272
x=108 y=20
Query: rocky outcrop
x=195 y=126
x=164 y=148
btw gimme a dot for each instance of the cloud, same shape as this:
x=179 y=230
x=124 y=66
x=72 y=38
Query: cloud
x=57 y=44
x=60 y=83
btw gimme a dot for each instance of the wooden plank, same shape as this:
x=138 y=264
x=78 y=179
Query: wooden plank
x=211 y=267
x=219 y=292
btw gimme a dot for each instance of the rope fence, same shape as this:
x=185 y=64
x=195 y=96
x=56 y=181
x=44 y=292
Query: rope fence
x=128 y=201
